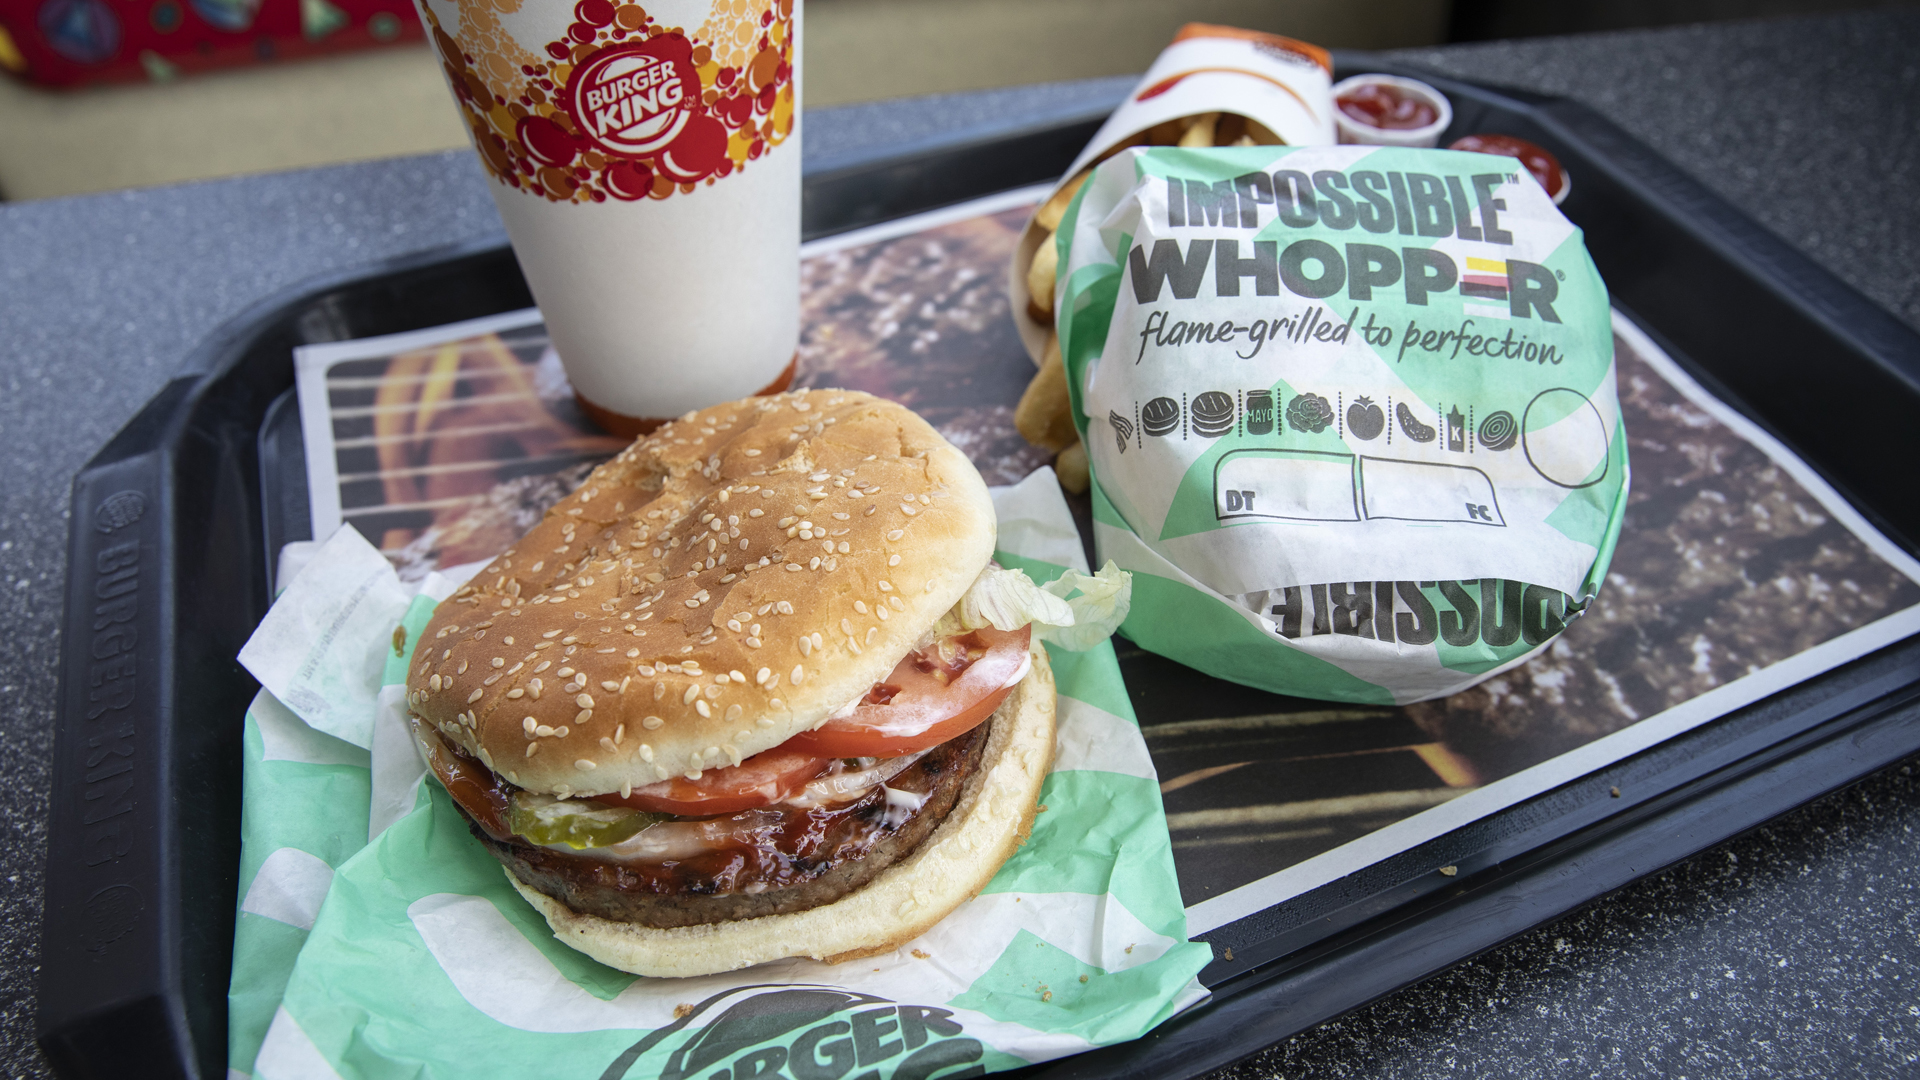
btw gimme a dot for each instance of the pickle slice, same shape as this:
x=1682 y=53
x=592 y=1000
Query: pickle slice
x=577 y=823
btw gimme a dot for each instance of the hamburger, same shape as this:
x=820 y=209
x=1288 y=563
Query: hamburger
x=755 y=690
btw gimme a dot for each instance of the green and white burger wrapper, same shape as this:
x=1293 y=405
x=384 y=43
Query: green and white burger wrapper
x=1350 y=411
x=406 y=953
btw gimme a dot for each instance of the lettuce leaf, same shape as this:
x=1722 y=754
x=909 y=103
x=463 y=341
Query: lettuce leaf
x=1099 y=603
x=1076 y=612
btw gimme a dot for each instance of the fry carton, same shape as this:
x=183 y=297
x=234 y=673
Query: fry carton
x=1214 y=86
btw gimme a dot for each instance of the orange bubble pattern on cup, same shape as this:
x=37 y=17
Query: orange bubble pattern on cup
x=623 y=107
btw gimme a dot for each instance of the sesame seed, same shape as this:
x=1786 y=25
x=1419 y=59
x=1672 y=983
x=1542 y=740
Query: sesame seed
x=515 y=694
x=542 y=666
x=895 y=534
x=583 y=765
x=473 y=697
x=529 y=725
x=737 y=677
x=609 y=686
x=433 y=683
x=908 y=510
x=533 y=748
x=846 y=625
x=895 y=603
x=551 y=634
x=644 y=669
x=714 y=691
x=799 y=673
x=784 y=608
x=760 y=677
x=585 y=701
x=646 y=753
x=651 y=722
x=701 y=708
x=893 y=560
x=543 y=731
x=813 y=563
x=795 y=567
x=462 y=669
x=491 y=679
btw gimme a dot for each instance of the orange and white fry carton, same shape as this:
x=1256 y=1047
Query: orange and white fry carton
x=1231 y=84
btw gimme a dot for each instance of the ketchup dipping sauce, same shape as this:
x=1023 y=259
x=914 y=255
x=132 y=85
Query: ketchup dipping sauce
x=1543 y=165
x=1386 y=110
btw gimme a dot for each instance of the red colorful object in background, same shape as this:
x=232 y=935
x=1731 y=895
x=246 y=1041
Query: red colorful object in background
x=78 y=42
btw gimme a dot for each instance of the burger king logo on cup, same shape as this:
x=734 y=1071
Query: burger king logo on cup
x=632 y=103
x=635 y=99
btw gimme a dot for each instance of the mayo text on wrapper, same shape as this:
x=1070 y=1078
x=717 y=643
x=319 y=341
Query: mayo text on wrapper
x=1283 y=86
x=1350 y=411
x=646 y=162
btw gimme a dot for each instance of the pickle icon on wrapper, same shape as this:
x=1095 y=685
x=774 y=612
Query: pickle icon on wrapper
x=646 y=162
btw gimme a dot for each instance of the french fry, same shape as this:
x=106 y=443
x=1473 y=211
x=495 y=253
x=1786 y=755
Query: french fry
x=1050 y=212
x=1046 y=262
x=1229 y=129
x=1200 y=133
x=1071 y=467
x=1044 y=417
x=1168 y=132
x=1263 y=135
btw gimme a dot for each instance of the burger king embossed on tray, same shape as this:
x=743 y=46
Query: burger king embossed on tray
x=646 y=163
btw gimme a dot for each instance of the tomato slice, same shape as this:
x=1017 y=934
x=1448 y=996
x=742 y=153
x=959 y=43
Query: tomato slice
x=761 y=779
x=934 y=695
x=474 y=786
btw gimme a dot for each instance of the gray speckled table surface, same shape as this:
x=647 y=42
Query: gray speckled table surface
x=1792 y=951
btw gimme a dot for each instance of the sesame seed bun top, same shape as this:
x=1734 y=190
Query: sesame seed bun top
x=720 y=586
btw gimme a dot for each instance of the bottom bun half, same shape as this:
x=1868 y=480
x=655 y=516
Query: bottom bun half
x=991 y=819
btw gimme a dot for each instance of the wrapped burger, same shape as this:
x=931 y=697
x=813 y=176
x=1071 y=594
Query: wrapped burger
x=1350 y=411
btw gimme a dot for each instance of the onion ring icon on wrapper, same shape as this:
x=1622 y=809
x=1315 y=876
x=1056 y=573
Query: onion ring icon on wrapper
x=1499 y=431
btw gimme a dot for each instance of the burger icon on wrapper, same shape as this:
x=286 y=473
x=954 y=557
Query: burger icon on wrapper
x=754 y=691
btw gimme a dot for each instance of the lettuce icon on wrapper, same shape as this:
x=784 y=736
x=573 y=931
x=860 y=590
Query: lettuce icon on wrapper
x=1424 y=474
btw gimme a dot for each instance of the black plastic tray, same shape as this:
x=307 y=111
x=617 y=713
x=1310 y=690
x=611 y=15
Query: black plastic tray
x=169 y=572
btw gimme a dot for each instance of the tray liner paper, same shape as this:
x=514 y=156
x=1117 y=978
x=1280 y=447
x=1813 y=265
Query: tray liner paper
x=410 y=955
x=1350 y=411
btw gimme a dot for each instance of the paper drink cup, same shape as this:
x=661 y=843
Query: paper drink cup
x=646 y=161
x=1281 y=85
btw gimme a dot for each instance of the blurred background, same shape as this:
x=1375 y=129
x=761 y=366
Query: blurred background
x=353 y=80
